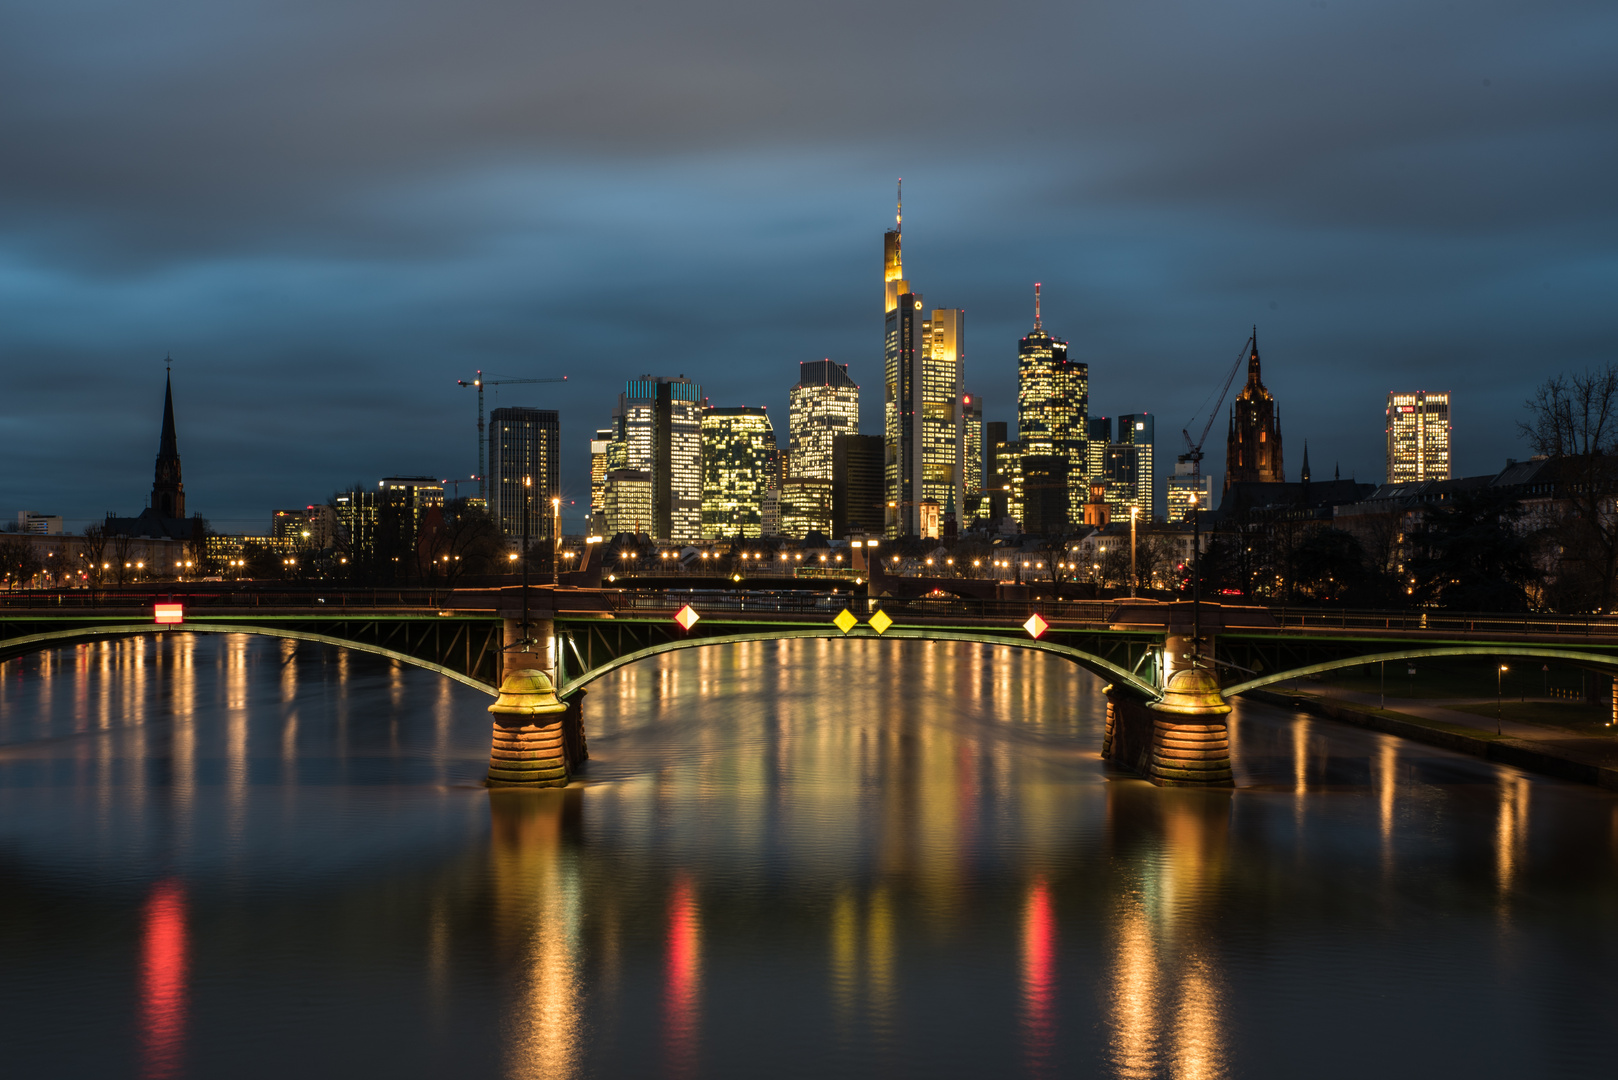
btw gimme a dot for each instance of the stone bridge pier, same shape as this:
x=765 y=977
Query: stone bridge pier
x=538 y=739
x=1184 y=737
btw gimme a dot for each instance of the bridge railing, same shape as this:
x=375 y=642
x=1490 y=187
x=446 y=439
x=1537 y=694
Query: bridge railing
x=810 y=605
x=1442 y=622
x=323 y=601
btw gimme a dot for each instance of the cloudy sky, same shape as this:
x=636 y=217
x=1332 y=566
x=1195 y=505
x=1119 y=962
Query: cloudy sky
x=328 y=212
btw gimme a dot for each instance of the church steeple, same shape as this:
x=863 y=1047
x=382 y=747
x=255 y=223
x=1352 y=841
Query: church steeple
x=1253 y=447
x=168 y=493
x=1305 y=476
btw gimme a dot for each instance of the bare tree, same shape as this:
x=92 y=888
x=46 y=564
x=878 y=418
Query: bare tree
x=1573 y=420
x=95 y=549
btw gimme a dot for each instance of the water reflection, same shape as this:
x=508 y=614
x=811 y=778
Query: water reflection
x=1166 y=1001
x=536 y=917
x=164 y=960
x=810 y=857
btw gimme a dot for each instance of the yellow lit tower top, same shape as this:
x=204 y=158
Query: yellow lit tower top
x=893 y=264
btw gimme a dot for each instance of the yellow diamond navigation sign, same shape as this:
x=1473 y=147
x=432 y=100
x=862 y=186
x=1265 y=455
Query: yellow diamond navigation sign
x=845 y=621
x=880 y=622
x=1035 y=625
x=687 y=618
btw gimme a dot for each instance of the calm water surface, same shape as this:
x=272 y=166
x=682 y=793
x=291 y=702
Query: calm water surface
x=232 y=856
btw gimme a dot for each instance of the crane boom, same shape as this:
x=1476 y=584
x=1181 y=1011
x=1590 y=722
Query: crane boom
x=1194 y=449
x=480 y=382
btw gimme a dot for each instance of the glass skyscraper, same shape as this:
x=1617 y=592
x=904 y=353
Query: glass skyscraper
x=658 y=430
x=736 y=445
x=823 y=405
x=524 y=469
x=1418 y=431
x=1053 y=402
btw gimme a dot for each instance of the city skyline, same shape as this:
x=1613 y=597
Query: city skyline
x=324 y=256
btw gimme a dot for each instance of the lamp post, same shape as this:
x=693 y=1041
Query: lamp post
x=556 y=540
x=1134 y=513
x=527 y=503
x=1499 y=697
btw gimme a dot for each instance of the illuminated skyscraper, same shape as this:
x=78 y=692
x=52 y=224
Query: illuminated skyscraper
x=736 y=445
x=1053 y=402
x=924 y=361
x=1187 y=492
x=1418 y=431
x=824 y=405
x=1253 y=447
x=1135 y=465
x=600 y=465
x=972 y=443
x=1098 y=441
x=659 y=425
x=523 y=445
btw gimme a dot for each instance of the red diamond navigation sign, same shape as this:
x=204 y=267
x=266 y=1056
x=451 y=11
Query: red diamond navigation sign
x=687 y=618
x=1035 y=625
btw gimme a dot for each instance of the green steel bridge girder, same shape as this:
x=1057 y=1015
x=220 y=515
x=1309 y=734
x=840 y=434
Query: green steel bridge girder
x=615 y=643
x=459 y=649
x=1499 y=649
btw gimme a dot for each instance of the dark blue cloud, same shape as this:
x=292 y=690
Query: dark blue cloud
x=330 y=214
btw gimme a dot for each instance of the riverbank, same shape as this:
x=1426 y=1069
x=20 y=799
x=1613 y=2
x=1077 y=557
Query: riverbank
x=1566 y=756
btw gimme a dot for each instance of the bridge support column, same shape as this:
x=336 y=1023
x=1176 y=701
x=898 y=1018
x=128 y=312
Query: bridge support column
x=538 y=653
x=1183 y=740
x=529 y=746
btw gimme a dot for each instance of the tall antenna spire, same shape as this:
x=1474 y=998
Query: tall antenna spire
x=899 y=216
x=1036 y=305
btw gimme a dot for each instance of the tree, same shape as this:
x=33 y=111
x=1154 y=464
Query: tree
x=1328 y=565
x=1573 y=420
x=1470 y=555
x=95 y=549
x=19 y=562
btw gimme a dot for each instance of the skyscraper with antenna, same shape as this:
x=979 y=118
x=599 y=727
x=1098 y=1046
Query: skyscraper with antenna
x=1053 y=403
x=924 y=372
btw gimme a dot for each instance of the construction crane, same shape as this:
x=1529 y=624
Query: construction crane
x=480 y=382
x=1194 y=449
x=1194 y=453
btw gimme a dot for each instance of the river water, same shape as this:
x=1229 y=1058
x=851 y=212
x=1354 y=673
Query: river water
x=233 y=856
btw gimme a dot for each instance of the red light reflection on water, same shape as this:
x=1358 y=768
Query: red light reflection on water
x=163 y=964
x=1039 y=979
x=682 y=982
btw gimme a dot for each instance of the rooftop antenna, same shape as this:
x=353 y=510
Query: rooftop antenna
x=899 y=215
x=1036 y=305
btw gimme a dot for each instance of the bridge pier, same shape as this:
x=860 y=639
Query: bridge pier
x=528 y=747
x=1182 y=740
x=535 y=649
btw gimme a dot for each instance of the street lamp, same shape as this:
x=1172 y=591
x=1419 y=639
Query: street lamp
x=1499 y=697
x=1134 y=514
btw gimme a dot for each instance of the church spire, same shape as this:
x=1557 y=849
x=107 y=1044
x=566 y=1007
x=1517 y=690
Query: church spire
x=1305 y=476
x=168 y=493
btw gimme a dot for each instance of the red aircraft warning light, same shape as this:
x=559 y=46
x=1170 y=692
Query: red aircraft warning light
x=168 y=613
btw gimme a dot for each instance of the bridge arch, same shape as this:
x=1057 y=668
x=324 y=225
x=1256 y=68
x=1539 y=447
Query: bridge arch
x=1105 y=669
x=18 y=646
x=1583 y=659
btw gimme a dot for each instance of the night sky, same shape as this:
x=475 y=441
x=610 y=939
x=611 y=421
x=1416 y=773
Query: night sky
x=328 y=213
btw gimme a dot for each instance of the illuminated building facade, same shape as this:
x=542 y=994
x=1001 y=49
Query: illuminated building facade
x=972 y=444
x=1187 y=492
x=924 y=362
x=1008 y=478
x=736 y=445
x=1418 y=431
x=1053 y=402
x=627 y=504
x=1132 y=477
x=524 y=445
x=659 y=426
x=600 y=465
x=823 y=405
x=805 y=506
x=1253 y=446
